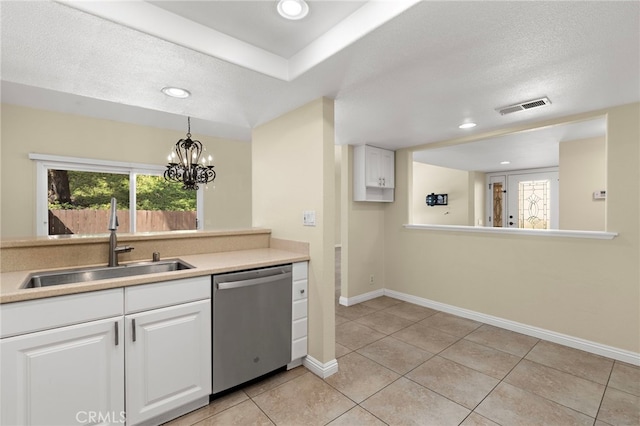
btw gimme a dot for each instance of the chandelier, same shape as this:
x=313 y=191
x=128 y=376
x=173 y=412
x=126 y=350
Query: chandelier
x=185 y=165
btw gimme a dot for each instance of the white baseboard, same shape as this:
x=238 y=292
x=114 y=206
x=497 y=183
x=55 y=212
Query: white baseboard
x=349 y=301
x=319 y=369
x=552 y=336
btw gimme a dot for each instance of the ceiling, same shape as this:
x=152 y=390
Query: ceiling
x=402 y=73
x=524 y=150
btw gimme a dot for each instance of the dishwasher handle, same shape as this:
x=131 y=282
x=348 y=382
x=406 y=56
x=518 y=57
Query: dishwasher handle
x=254 y=281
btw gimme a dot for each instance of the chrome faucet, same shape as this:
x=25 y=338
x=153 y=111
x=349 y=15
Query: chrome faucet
x=114 y=250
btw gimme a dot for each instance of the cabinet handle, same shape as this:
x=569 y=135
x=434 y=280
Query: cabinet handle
x=133 y=329
x=384 y=181
x=117 y=334
x=302 y=291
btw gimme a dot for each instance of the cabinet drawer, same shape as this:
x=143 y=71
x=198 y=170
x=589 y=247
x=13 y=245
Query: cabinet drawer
x=299 y=329
x=300 y=309
x=299 y=290
x=44 y=314
x=299 y=348
x=150 y=296
x=300 y=271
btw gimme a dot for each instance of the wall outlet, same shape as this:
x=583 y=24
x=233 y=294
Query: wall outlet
x=371 y=279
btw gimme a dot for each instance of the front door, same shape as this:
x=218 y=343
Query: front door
x=532 y=200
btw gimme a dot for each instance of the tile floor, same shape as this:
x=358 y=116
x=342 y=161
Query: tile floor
x=402 y=364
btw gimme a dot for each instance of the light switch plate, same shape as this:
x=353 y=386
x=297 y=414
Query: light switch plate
x=309 y=218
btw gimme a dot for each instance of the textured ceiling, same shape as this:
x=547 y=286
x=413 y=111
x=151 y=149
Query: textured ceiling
x=405 y=81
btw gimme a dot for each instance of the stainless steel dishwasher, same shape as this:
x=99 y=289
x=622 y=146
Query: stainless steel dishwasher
x=251 y=324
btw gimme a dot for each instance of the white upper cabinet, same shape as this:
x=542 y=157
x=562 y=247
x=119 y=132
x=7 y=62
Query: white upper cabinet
x=373 y=174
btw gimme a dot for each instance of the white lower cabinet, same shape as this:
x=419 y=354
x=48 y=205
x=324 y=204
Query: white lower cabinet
x=168 y=359
x=62 y=359
x=67 y=375
x=299 y=312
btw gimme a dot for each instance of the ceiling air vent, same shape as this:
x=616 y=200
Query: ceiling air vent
x=524 y=105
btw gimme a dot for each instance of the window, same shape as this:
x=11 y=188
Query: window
x=74 y=196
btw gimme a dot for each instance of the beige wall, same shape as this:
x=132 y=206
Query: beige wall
x=227 y=203
x=584 y=288
x=363 y=245
x=441 y=180
x=293 y=171
x=477 y=199
x=582 y=171
x=338 y=194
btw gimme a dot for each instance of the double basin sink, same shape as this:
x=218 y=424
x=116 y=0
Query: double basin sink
x=81 y=275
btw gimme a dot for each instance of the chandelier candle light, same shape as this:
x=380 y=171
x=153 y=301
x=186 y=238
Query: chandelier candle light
x=185 y=165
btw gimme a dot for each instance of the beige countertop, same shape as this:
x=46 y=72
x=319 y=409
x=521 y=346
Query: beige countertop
x=204 y=264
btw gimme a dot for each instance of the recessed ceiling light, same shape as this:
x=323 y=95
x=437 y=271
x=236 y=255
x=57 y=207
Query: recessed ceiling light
x=505 y=162
x=293 y=9
x=176 y=92
x=467 y=125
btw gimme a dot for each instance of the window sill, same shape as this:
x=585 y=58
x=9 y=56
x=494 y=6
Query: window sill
x=598 y=235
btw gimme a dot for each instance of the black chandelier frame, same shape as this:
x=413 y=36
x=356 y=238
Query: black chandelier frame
x=184 y=164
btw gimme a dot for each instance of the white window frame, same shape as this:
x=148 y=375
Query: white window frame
x=45 y=162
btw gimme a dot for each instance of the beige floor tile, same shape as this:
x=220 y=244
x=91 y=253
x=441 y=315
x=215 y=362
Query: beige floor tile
x=564 y=388
x=620 y=408
x=358 y=377
x=245 y=413
x=451 y=324
x=407 y=403
x=216 y=406
x=460 y=384
x=381 y=302
x=424 y=337
x=305 y=400
x=583 y=364
x=396 y=355
x=342 y=350
x=357 y=416
x=355 y=336
x=486 y=360
x=509 y=405
x=354 y=312
x=384 y=322
x=410 y=311
x=341 y=320
x=626 y=378
x=503 y=340
x=476 y=419
x=273 y=381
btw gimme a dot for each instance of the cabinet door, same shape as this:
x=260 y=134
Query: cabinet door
x=387 y=165
x=373 y=173
x=168 y=359
x=68 y=375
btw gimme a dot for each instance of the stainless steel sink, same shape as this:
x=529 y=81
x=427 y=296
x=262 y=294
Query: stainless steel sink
x=81 y=275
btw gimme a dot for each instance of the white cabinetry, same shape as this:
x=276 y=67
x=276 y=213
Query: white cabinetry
x=70 y=374
x=62 y=359
x=299 y=313
x=168 y=355
x=373 y=174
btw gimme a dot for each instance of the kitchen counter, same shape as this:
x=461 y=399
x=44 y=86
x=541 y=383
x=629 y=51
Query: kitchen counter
x=204 y=264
